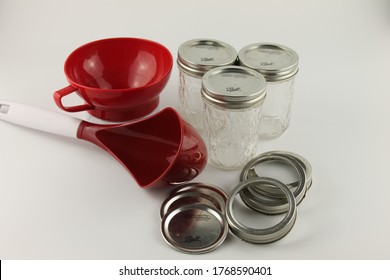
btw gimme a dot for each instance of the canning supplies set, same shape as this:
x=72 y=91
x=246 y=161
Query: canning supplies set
x=196 y=217
x=223 y=99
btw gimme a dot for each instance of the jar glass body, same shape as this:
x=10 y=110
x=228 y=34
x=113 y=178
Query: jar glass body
x=231 y=135
x=275 y=117
x=190 y=100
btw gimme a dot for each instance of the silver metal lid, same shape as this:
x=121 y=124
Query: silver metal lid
x=233 y=87
x=187 y=198
x=211 y=190
x=194 y=229
x=196 y=57
x=276 y=62
x=263 y=235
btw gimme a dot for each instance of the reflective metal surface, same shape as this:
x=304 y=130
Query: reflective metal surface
x=188 y=198
x=267 y=198
x=263 y=235
x=194 y=228
x=294 y=156
x=274 y=61
x=196 y=57
x=233 y=87
x=217 y=193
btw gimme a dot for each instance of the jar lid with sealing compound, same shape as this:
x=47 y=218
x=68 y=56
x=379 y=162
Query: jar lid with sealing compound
x=233 y=87
x=274 y=61
x=196 y=57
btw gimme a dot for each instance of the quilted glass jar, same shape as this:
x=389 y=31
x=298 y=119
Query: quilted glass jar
x=279 y=66
x=233 y=98
x=195 y=58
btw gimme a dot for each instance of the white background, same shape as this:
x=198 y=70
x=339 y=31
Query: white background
x=66 y=199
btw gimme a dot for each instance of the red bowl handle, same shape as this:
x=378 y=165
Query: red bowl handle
x=59 y=94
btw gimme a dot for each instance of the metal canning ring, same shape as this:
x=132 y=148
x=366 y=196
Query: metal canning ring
x=266 y=235
x=302 y=161
x=268 y=198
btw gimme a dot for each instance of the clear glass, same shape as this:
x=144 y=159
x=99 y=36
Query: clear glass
x=190 y=101
x=231 y=136
x=275 y=117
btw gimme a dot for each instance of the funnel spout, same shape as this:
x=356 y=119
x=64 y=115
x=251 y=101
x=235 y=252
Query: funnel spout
x=191 y=160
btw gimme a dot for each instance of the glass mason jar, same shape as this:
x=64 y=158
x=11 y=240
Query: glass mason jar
x=195 y=58
x=279 y=65
x=233 y=98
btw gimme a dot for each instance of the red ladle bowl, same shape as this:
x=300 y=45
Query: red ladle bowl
x=161 y=149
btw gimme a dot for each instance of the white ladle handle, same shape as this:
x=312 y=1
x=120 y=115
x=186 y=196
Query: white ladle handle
x=39 y=119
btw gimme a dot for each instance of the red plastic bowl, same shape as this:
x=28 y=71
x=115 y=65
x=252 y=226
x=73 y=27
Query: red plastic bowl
x=119 y=78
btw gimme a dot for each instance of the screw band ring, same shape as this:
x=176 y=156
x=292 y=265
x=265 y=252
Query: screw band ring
x=266 y=235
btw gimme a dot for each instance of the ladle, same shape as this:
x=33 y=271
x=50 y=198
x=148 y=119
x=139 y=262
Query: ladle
x=158 y=150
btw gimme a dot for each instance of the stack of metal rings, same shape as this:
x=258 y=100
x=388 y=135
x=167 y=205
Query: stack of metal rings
x=193 y=218
x=269 y=196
